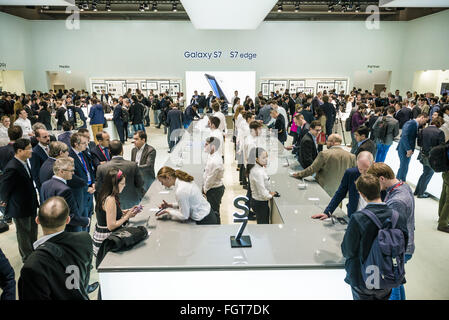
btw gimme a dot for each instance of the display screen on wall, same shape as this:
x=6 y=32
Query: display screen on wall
x=228 y=81
x=444 y=88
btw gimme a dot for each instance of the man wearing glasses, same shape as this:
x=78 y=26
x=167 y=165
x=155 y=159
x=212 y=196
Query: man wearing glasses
x=63 y=169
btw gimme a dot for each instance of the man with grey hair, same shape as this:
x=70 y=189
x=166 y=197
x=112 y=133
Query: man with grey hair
x=330 y=165
x=63 y=170
x=356 y=203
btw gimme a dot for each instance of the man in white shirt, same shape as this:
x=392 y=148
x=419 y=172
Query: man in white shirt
x=213 y=186
x=24 y=123
x=214 y=124
x=217 y=113
x=236 y=96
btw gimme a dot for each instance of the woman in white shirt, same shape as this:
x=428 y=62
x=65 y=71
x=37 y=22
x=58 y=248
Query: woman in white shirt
x=4 y=126
x=259 y=184
x=243 y=132
x=190 y=201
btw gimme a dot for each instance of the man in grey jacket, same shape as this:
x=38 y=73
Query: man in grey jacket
x=384 y=137
x=144 y=155
x=133 y=191
x=264 y=113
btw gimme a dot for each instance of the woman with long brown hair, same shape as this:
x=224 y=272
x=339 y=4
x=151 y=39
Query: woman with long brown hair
x=191 y=203
x=110 y=216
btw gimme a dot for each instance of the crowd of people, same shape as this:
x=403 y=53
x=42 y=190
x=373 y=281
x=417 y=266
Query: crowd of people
x=66 y=178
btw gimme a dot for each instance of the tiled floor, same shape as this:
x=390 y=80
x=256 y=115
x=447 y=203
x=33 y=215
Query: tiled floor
x=427 y=275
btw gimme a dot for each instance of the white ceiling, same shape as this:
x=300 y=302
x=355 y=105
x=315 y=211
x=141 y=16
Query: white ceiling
x=227 y=14
x=415 y=3
x=36 y=2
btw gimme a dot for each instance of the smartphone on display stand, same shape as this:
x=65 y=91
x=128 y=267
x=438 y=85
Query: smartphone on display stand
x=216 y=87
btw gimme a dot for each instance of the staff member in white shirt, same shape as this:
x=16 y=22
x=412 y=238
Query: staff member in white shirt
x=260 y=184
x=23 y=122
x=213 y=186
x=243 y=132
x=217 y=113
x=190 y=201
x=214 y=124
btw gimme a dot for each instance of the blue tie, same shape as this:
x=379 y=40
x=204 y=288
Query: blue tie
x=85 y=168
x=106 y=152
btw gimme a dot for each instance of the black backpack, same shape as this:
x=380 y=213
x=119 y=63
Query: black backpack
x=438 y=158
x=348 y=121
x=125 y=115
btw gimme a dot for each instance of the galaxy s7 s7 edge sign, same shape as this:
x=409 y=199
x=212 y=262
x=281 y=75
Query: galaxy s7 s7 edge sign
x=217 y=55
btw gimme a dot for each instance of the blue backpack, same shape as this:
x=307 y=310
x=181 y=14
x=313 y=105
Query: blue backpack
x=384 y=266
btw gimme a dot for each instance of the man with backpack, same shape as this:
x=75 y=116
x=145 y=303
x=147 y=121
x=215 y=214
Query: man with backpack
x=399 y=196
x=385 y=129
x=371 y=278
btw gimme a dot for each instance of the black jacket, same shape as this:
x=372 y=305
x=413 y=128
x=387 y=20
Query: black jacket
x=136 y=112
x=6 y=154
x=330 y=113
x=404 y=115
x=60 y=115
x=46 y=173
x=49 y=268
x=367 y=145
x=98 y=156
x=430 y=137
x=279 y=125
x=17 y=190
x=360 y=236
x=308 y=151
x=308 y=115
x=37 y=159
x=45 y=118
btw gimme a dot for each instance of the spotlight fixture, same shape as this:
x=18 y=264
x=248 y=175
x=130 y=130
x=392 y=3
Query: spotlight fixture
x=94 y=6
x=45 y=8
x=154 y=8
x=357 y=8
x=330 y=8
x=141 y=7
x=108 y=6
x=146 y=6
x=84 y=6
x=279 y=7
x=343 y=8
x=175 y=7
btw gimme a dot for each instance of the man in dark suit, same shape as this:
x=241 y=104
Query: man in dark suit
x=100 y=154
x=7 y=152
x=308 y=115
x=117 y=117
x=175 y=119
x=403 y=115
x=63 y=169
x=363 y=142
x=136 y=114
x=364 y=160
x=18 y=192
x=133 y=191
x=302 y=128
x=40 y=154
x=201 y=102
x=144 y=155
x=330 y=113
x=83 y=170
x=59 y=268
x=308 y=147
x=427 y=139
x=190 y=114
x=60 y=114
x=279 y=125
x=104 y=97
x=406 y=145
x=209 y=100
x=65 y=136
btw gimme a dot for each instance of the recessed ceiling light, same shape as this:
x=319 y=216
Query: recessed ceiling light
x=108 y=6
x=280 y=8
x=297 y=7
x=175 y=7
x=154 y=8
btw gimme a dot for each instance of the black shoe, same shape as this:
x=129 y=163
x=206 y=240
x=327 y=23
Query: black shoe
x=423 y=196
x=92 y=287
x=158 y=127
x=415 y=193
x=245 y=186
x=444 y=229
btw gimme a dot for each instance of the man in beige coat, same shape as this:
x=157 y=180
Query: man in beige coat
x=330 y=165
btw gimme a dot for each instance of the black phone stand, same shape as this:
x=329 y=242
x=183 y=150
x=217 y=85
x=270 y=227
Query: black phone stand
x=240 y=241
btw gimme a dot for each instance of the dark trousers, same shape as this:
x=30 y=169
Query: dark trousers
x=7 y=279
x=242 y=175
x=137 y=127
x=424 y=180
x=126 y=129
x=443 y=208
x=262 y=211
x=88 y=208
x=249 y=195
x=214 y=197
x=120 y=131
x=295 y=137
x=26 y=229
x=359 y=293
x=404 y=162
x=211 y=218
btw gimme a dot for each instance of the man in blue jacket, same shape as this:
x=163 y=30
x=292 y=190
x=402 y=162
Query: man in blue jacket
x=96 y=116
x=407 y=143
x=364 y=160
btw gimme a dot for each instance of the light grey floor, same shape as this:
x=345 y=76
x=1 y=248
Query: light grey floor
x=427 y=275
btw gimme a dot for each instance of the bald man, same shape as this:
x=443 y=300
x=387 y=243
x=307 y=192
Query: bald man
x=356 y=203
x=59 y=267
x=330 y=165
